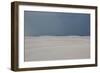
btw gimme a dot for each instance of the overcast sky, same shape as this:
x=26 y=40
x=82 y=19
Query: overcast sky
x=56 y=24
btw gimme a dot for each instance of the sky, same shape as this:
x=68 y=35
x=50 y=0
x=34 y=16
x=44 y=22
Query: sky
x=56 y=24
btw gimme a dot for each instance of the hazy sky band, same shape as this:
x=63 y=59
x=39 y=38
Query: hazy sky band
x=56 y=24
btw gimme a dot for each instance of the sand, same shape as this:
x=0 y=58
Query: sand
x=44 y=48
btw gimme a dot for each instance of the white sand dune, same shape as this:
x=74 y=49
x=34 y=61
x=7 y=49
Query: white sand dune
x=45 y=48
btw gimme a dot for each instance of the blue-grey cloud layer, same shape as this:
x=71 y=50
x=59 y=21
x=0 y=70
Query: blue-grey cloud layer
x=56 y=24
